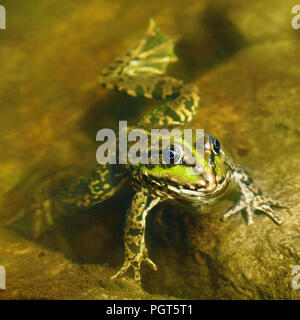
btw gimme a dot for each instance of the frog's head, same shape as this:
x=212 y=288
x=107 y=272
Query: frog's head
x=189 y=175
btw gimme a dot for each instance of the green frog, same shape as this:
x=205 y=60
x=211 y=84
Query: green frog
x=141 y=73
x=195 y=184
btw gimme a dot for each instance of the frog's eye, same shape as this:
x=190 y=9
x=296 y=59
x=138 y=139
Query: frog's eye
x=172 y=155
x=216 y=146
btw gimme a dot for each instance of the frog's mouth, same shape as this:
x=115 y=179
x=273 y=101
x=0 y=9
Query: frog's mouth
x=207 y=190
x=204 y=191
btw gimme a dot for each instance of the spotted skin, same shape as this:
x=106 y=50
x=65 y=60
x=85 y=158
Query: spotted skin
x=135 y=248
x=85 y=193
x=140 y=73
x=136 y=74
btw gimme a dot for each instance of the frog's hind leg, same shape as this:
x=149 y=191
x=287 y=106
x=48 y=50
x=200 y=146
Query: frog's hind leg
x=87 y=192
x=134 y=234
x=51 y=199
x=140 y=72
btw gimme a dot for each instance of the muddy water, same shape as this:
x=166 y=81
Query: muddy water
x=243 y=57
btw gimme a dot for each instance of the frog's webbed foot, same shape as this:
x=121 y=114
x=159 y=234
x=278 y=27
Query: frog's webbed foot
x=39 y=211
x=252 y=199
x=135 y=263
x=256 y=203
x=141 y=73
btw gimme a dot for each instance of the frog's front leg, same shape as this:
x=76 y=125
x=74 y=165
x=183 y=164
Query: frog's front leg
x=251 y=198
x=134 y=234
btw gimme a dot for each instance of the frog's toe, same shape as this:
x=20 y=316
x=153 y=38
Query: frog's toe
x=278 y=203
x=259 y=203
x=136 y=266
x=122 y=271
x=265 y=208
x=238 y=207
x=235 y=209
x=265 y=204
x=151 y=264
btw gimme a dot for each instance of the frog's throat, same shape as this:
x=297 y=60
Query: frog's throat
x=195 y=192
